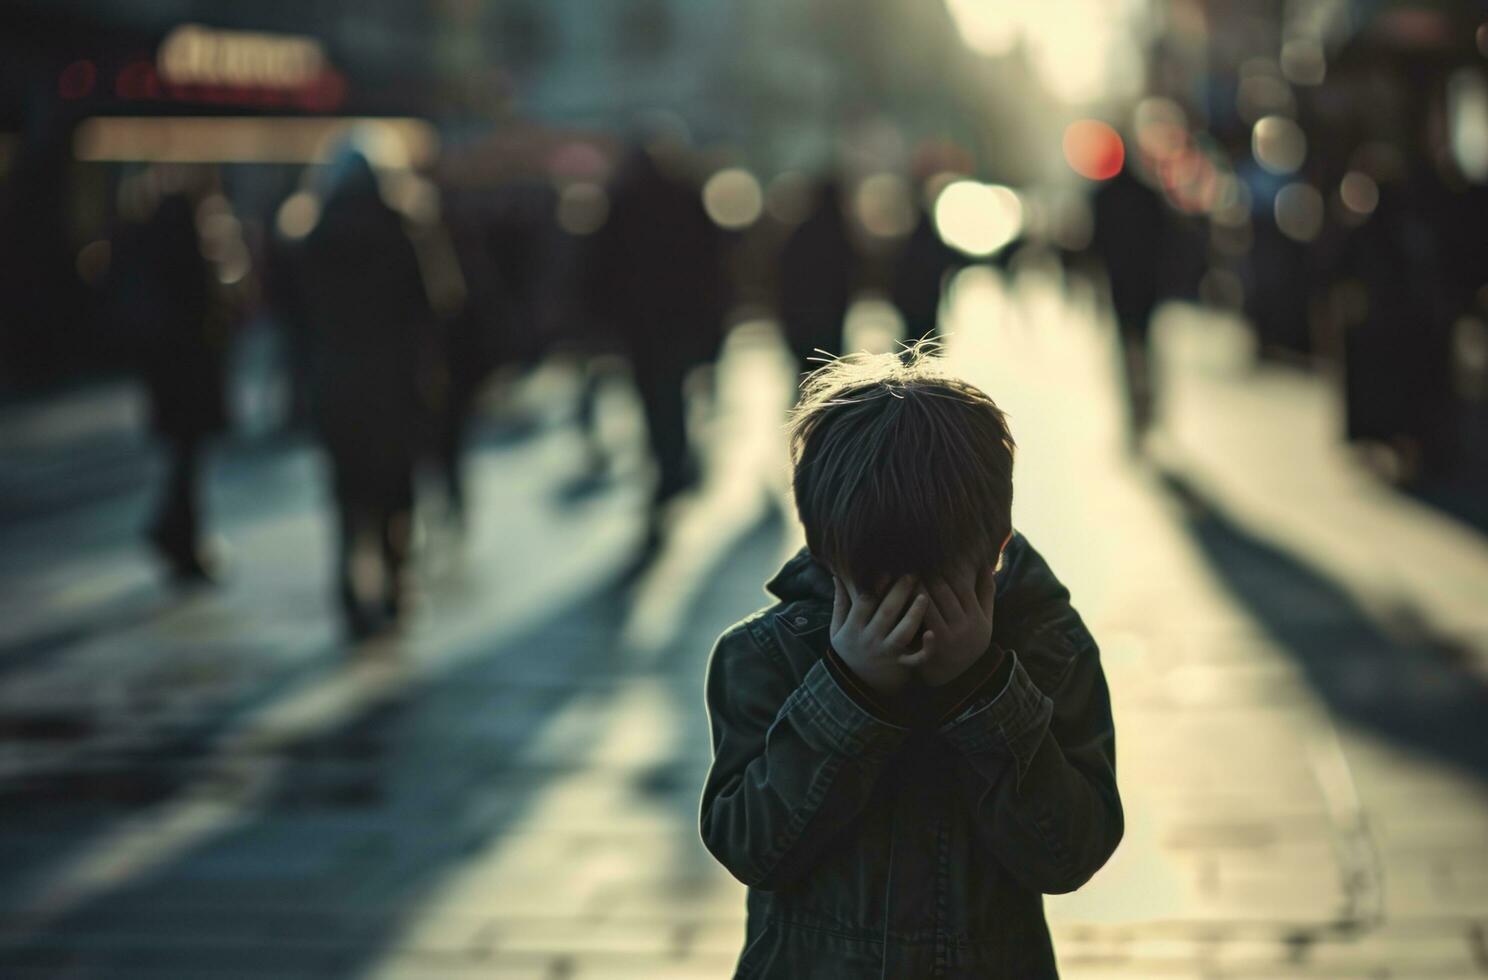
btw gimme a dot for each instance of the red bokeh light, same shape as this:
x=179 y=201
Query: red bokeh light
x=77 y=80
x=1093 y=149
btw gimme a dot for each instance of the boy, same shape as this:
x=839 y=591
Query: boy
x=898 y=775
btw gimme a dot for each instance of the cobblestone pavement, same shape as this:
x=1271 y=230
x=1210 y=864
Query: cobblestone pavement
x=210 y=785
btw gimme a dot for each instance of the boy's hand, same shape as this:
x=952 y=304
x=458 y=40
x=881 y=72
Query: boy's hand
x=958 y=625
x=874 y=637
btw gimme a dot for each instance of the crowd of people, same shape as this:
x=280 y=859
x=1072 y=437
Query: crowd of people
x=394 y=302
x=397 y=298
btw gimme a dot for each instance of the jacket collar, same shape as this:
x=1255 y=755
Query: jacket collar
x=802 y=577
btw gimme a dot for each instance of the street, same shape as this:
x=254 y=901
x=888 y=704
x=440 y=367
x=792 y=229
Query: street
x=211 y=784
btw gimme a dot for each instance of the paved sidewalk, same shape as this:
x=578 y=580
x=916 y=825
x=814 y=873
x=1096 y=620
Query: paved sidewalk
x=212 y=786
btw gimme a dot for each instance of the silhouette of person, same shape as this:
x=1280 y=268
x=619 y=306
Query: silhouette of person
x=1130 y=237
x=373 y=322
x=817 y=268
x=1396 y=373
x=475 y=342
x=919 y=277
x=184 y=359
x=658 y=277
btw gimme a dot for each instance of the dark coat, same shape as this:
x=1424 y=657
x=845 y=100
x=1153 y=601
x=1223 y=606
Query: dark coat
x=817 y=266
x=1397 y=361
x=169 y=294
x=657 y=269
x=374 y=334
x=875 y=849
x=1131 y=237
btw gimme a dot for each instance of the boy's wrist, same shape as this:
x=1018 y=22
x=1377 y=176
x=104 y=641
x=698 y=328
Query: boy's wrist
x=988 y=672
x=870 y=700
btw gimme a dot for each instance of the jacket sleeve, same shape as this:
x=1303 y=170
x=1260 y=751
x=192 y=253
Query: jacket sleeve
x=1037 y=767
x=792 y=763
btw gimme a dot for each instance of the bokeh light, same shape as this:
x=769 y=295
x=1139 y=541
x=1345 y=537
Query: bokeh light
x=1467 y=122
x=297 y=216
x=1303 y=62
x=984 y=27
x=1278 y=144
x=1077 y=66
x=978 y=218
x=583 y=207
x=733 y=198
x=1359 y=193
x=1299 y=211
x=1093 y=149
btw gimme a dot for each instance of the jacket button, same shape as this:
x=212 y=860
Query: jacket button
x=800 y=620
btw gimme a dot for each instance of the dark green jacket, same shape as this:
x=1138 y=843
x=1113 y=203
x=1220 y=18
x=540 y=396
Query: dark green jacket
x=884 y=841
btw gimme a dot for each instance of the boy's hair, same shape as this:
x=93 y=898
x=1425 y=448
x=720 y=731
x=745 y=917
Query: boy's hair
x=899 y=467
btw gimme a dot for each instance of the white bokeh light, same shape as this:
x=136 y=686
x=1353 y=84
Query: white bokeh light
x=978 y=218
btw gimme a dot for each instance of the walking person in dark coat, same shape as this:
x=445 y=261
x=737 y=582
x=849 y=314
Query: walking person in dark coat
x=173 y=298
x=1131 y=234
x=658 y=278
x=372 y=319
x=1397 y=378
x=817 y=267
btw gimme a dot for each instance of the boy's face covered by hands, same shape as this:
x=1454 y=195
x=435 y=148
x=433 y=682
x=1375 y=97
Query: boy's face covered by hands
x=934 y=629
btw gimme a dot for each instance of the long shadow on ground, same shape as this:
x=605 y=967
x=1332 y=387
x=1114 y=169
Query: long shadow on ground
x=362 y=821
x=1397 y=680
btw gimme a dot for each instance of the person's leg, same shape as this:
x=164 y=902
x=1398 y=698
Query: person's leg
x=666 y=427
x=586 y=411
x=664 y=406
x=395 y=532
x=353 y=610
x=176 y=531
x=1137 y=378
x=356 y=562
x=451 y=452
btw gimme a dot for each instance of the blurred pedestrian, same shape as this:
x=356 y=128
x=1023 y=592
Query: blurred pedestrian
x=1397 y=377
x=920 y=272
x=658 y=277
x=818 y=266
x=1130 y=237
x=476 y=314
x=375 y=361
x=173 y=298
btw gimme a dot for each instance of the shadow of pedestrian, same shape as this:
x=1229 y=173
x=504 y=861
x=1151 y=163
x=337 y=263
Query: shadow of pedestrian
x=1395 y=678
x=138 y=606
x=315 y=841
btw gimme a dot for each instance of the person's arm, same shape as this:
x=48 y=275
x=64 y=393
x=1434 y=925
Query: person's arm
x=1038 y=767
x=792 y=763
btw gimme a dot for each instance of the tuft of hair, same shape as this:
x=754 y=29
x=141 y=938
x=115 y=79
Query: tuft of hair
x=899 y=468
